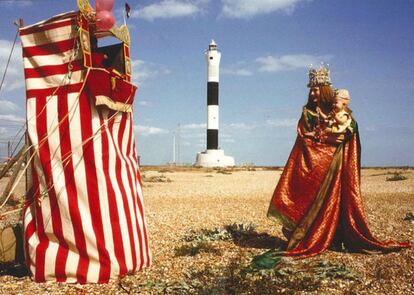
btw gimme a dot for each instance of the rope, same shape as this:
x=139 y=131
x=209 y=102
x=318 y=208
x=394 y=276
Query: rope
x=43 y=140
x=75 y=49
x=66 y=158
x=68 y=75
x=8 y=61
x=64 y=161
x=17 y=145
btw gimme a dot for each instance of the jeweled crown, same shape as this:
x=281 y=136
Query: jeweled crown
x=319 y=77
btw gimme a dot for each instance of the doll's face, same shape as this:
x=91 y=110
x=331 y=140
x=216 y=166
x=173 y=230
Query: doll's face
x=340 y=104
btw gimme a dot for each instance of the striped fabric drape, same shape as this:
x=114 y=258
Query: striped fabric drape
x=84 y=215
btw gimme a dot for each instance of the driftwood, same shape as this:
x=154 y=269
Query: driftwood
x=20 y=159
x=11 y=162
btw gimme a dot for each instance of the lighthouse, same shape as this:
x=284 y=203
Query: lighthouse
x=213 y=156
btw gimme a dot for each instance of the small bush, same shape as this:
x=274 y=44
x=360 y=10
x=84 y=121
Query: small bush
x=160 y=178
x=204 y=235
x=396 y=177
x=240 y=231
x=224 y=171
x=196 y=248
x=165 y=170
x=235 y=231
x=409 y=217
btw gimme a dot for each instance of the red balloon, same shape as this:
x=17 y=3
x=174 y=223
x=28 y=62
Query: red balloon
x=104 y=20
x=102 y=5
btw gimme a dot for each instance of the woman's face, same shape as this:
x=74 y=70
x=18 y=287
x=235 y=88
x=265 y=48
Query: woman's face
x=314 y=93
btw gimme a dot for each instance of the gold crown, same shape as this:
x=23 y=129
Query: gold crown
x=319 y=77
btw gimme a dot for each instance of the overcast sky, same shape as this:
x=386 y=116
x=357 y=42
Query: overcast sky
x=267 y=47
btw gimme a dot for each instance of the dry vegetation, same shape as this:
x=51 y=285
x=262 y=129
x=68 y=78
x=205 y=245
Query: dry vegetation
x=209 y=226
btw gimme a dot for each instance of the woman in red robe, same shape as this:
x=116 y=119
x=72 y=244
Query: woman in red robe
x=318 y=197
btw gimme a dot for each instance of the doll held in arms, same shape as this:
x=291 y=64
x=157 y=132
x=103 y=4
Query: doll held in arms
x=334 y=126
x=340 y=118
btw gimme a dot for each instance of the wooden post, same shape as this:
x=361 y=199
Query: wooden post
x=19 y=23
x=29 y=182
x=9 y=151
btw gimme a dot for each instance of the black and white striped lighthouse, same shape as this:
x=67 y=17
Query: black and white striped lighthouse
x=213 y=156
x=213 y=57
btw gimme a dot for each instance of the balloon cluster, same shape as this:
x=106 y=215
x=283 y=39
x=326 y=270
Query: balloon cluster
x=104 y=16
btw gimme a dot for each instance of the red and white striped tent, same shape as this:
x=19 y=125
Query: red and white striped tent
x=84 y=214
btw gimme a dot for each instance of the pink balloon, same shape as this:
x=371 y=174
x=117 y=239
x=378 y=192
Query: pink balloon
x=102 y=5
x=104 y=20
